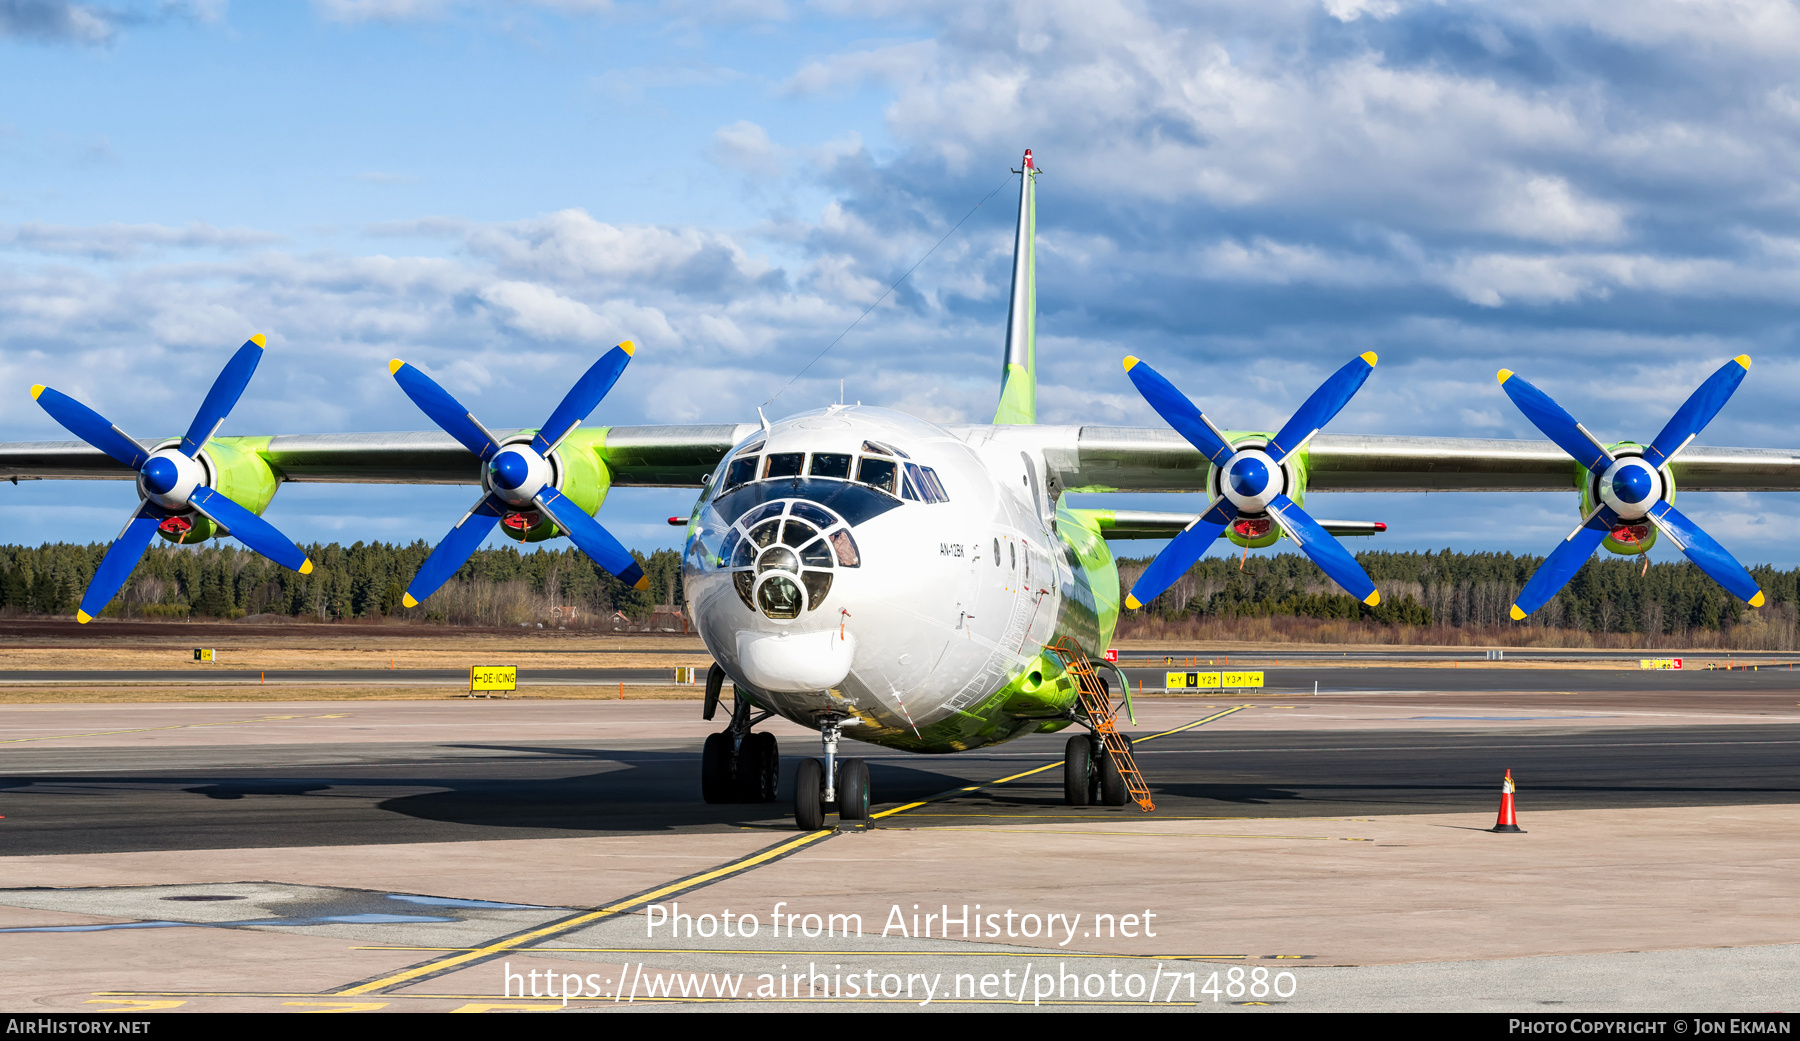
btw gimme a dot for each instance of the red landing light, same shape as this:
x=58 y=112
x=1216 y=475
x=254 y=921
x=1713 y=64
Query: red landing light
x=678 y=522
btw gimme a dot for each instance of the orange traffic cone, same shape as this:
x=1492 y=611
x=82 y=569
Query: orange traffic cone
x=1509 y=820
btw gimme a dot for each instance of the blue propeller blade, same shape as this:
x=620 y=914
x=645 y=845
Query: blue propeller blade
x=1177 y=411
x=1326 y=402
x=90 y=426
x=1323 y=549
x=443 y=410
x=1563 y=562
x=584 y=396
x=226 y=389
x=1697 y=411
x=121 y=557
x=1556 y=424
x=250 y=529
x=594 y=540
x=455 y=549
x=1706 y=553
x=1180 y=554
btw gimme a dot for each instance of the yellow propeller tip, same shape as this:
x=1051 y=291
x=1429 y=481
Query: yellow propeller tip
x=1757 y=600
x=36 y=389
x=1369 y=356
x=260 y=340
x=408 y=601
x=306 y=566
x=394 y=366
x=1505 y=374
x=1518 y=615
x=1373 y=599
x=642 y=583
x=629 y=348
x=1132 y=602
x=1130 y=360
x=1743 y=359
x=83 y=617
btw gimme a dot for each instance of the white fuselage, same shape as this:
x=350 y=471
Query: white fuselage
x=825 y=593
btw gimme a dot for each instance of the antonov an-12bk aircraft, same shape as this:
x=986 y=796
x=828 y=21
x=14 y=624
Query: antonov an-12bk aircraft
x=866 y=573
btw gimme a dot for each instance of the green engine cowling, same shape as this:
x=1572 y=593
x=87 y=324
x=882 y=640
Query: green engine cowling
x=236 y=469
x=1642 y=533
x=1270 y=533
x=580 y=474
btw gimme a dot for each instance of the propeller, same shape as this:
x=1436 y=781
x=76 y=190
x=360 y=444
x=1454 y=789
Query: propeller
x=1253 y=482
x=517 y=476
x=1631 y=486
x=171 y=481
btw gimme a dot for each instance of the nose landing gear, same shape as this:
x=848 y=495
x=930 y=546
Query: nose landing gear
x=819 y=784
x=737 y=765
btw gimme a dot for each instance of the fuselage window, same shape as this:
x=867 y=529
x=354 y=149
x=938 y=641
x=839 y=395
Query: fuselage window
x=1012 y=554
x=831 y=464
x=785 y=464
x=877 y=473
x=742 y=469
x=996 y=552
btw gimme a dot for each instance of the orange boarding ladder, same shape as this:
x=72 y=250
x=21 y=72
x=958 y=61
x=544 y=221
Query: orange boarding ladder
x=1102 y=720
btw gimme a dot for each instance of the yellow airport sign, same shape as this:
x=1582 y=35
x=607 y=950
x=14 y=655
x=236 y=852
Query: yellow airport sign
x=1212 y=680
x=1659 y=663
x=205 y=654
x=493 y=677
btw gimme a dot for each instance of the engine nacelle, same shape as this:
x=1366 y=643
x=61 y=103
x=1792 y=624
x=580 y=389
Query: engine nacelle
x=1256 y=531
x=234 y=469
x=1630 y=537
x=577 y=471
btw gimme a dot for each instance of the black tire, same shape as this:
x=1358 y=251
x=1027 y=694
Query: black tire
x=809 y=795
x=1078 y=770
x=853 y=790
x=1112 y=782
x=758 y=769
x=715 y=768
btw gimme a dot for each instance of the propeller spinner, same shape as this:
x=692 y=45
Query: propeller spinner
x=171 y=481
x=518 y=476
x=1631 y=487
x=1253 y=481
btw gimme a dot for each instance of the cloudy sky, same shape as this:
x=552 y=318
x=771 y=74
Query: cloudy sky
x=1604 y=197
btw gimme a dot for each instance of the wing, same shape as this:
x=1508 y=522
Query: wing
x=1144 y=459
x=642 y=456
x=1144 y=524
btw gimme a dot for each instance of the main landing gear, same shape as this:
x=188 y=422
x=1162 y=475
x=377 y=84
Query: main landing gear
x=1091 y=776
x=737 y=765
x=844 y=782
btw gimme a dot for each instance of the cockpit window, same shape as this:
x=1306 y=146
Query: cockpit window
x=742 y=470
x=831 y=464
x=785 y=464
x=874 y=449
x=783 y=566
x=752 y=448
x=877 y=473
x=925 y=479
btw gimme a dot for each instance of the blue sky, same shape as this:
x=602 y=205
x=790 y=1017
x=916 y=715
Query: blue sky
x=1246 y=193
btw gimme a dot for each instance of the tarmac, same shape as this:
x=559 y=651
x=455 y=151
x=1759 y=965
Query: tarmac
x=393 y=856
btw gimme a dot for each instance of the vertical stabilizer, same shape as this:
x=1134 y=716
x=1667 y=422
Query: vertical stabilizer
x=1018 y=377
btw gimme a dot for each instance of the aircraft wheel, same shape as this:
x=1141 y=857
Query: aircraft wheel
x=809 y=795
x=758 y=768
x=1078 y=770
x=715 y=768
x=1112 y=782
x=853 y=790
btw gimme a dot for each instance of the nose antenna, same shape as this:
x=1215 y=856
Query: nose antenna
x=763 y=418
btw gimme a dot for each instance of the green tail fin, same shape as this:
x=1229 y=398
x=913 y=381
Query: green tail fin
x=1018 y=376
